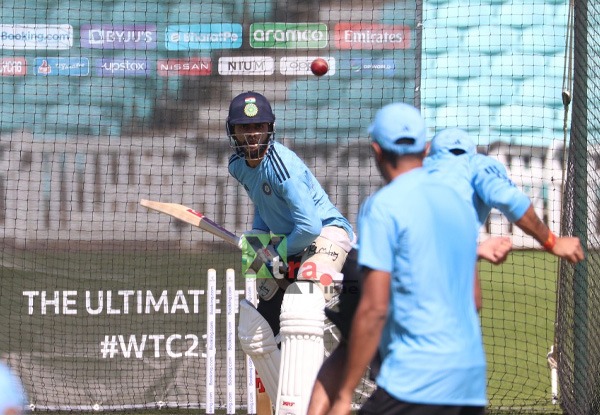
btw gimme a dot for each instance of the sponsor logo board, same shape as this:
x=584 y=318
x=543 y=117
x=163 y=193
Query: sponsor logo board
x=184 y=67
x=13 y=66
x=102 y=36
x=288 y=35
x=300 y=65
x=387 y=67
x=36 y=36
x=246 y=65
x=122 y=67
x=62 y=66
x=204 y=36
x=371 y=36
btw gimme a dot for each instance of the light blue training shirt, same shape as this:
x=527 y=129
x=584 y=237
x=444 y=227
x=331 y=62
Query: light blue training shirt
x=424 y=234
x=287 y=197
x=12 y=394
x=484 y=180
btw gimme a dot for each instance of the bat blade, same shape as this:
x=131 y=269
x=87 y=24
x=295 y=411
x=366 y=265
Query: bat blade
x=192 y=217
x=263 y=402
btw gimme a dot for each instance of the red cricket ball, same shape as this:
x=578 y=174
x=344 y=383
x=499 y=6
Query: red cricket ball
x=319 y=66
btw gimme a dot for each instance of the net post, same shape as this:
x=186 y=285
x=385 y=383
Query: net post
x=211 y=351
x=251 y=296
x=231 y=306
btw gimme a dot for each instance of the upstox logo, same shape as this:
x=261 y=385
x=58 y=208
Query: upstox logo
x=288 y=35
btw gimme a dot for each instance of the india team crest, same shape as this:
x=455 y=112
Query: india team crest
x=250 y=109
x=266 y=189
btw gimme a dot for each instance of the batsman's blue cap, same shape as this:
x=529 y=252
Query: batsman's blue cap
x=452 y=141
x=249 y=108
x=399 y=128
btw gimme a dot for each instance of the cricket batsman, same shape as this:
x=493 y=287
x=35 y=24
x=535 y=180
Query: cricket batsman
x=288 y=202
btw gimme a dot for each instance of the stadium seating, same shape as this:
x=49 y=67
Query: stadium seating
x=465 y=14
x=437 y=92
x=517 y=65
x=542 y=91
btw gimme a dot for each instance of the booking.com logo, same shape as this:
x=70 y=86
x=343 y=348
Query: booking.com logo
x=265 y=256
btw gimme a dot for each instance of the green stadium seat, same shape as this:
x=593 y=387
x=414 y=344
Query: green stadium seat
x=201 y=12
x=525 y=14
x=542 y=91
x=367 y=92
x=398 y=13
x=14 y=117
x=517 y=65
x=79 y=12
x=80 y=120
x=342 y=123
x=257 y=10
x=295 y=120
x=547 y=40
x=46 y=89
x=316 y=91
x=438 y=92
x=467 y=117
x=491 y=40
x=466 y=14
x=459 y=66
x=488 y=91
x=525 y=119
x=438 y=39
x=106 y=90
x=140 y=12
x=556 y=64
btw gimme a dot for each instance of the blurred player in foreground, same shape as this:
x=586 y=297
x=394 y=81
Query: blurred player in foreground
x=486 y=182
x=417 y=253
x=12 y=395
x=482 y=180
x=288 y=201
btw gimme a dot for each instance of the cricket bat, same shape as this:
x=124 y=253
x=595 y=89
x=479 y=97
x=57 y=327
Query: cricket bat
x=192 y=217
x=263 y=402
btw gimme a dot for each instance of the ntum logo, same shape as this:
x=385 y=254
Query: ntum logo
x=288 y=35
x=255 y=65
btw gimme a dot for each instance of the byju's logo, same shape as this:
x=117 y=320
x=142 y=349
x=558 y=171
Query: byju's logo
x=118 y=36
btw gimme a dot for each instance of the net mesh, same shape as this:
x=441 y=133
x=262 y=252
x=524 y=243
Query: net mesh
x=105 y=103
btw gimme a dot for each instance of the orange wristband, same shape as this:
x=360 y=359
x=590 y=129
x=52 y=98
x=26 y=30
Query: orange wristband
x=550 y=242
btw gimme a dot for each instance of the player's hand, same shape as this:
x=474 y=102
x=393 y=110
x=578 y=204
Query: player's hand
x=569 y=248
x=495 y=249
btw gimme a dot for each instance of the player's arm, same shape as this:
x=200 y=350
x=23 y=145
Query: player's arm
x=495 y=189
x=304 y=215
x=568 y=248
x=493 y=186
x=258 y=223
x=365 y=334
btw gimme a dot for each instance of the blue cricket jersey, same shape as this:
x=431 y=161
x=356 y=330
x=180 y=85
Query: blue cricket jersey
x=288 y=199
x=424 y=234
x=484 y=181
x=12 y=394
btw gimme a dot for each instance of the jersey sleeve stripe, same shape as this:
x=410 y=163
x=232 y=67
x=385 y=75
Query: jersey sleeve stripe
x=277 y=161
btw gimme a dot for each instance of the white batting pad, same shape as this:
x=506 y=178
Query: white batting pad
x=258 y=342
x=302 y=326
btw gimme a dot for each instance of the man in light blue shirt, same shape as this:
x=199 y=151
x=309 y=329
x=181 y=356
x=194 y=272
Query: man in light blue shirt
x=417 y=249
x=484 y=180
x=290 y=202
x=12 y=395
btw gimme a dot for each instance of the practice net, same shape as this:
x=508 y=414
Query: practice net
x=104 y=103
